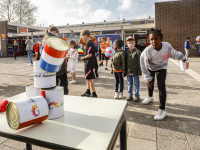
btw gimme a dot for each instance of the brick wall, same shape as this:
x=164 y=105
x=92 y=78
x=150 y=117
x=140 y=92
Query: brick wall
x=4 y=43
x=178 y=20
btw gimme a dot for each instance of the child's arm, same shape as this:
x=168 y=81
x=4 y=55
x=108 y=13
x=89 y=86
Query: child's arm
x=144 y=63
x=175 y=54
x=93 y=38
x=82 y=42
x=123 y=64
x=139 y=67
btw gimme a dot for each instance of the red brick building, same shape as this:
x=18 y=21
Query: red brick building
x=178 y=20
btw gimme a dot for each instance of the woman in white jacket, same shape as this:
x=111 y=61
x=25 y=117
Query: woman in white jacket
x=72 y=57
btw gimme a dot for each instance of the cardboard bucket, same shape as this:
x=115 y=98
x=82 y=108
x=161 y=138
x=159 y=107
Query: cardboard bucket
x=55 y=100
x=184 y=65
x=43 y=79
x=26 y=112
x=53 y=55
x=31 y=91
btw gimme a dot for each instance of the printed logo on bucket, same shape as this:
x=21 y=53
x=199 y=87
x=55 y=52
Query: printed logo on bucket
x=34 y=108
x=53 y=105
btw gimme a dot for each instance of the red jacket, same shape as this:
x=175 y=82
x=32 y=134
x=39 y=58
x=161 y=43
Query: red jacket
x=36 y=48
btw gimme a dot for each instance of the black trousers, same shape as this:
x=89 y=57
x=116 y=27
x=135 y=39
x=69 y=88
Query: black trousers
x=63 y=82
x=96 y=67
x=161 y=77
x=99 y=54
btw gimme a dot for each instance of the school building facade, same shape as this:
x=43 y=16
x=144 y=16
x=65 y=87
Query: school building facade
x=179 y=20
x=176 y=19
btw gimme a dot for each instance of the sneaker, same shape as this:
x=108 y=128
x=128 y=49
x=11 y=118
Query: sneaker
x=106 y=68
x=30 y=64
x=130 y=98
x=97 y=75
x=137 y=99
x=72 y=82
x=86 y=94
x=94 y=96
x=120 y=95
x=161 y=114
x=116 y=95
x=147 y=100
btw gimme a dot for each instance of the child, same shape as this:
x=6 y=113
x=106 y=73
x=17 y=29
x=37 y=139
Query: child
x=133 y=69
x=103 y=46
x=89 y=61
x=15 y=49
x=187 y=47
x=109 y=41
x=73 y=59
x=36 y=48
x=118 y=66
x=154 y=61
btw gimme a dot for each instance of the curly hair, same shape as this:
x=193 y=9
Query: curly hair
x=119 y=43
x=156 y=31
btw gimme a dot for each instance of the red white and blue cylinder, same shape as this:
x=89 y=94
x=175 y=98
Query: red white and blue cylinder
x=53 y=55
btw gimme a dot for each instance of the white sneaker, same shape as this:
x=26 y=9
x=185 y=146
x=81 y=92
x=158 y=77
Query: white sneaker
x=72 y=82
x=30 y=64
x=161 y=114
x=147 y=100
x=116 y=95
x=120 y=95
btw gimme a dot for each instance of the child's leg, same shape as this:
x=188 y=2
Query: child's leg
x=116 y=81
x=92 y=85
x=36 y=56
x=161 y=77
x=106 y=63
x=121 y=81
x=100 y=62
x=88 y=84
x=137 y=85
x=150 y=90
x=73 y=76
x=130 y=85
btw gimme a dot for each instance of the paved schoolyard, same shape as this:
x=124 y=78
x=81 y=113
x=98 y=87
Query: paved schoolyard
x=179 y=131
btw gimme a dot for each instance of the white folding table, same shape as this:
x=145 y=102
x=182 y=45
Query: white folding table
x=88 y=123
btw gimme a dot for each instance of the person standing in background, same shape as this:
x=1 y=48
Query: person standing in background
x=109 y=41
x=187 y=47
x=29 y=49
x=15 y=49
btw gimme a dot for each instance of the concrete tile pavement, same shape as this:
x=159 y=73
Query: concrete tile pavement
x=180 y=130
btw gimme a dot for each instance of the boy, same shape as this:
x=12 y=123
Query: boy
x=133 y=70
x=89 y=61
x=187 y=47
x=103 y=46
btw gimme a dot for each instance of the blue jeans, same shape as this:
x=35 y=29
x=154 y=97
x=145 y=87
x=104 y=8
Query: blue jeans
x=136 y=83
x=30 y=56
x=119 y=80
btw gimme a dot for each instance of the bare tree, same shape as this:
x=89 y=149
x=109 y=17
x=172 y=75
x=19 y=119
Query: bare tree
x=19 y=11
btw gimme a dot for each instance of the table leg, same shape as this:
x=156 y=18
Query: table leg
x=123 y=140
x=28 y=146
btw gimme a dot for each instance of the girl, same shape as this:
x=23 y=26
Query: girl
x=154 y=61
x=118 y=67
x=72 y=56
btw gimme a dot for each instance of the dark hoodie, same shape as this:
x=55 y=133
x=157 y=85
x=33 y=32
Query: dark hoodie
x=63 y=68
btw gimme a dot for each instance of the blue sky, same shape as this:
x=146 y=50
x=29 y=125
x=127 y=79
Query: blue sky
x=61 y=12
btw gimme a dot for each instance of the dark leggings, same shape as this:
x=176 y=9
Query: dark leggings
x=161 y=77
x=63 y=82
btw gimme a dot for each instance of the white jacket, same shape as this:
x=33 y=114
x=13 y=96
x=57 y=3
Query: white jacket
x=73 y=54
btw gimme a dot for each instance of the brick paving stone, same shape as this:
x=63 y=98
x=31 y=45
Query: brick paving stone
x=180 y=130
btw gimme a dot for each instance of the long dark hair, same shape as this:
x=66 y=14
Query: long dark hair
x=73 y=43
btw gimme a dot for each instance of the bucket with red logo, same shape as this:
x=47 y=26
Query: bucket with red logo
x=55 y=100
x=23 y=113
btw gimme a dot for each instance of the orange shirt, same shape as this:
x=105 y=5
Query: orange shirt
x=103 y=47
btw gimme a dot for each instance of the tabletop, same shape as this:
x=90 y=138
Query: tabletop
x=88 y=123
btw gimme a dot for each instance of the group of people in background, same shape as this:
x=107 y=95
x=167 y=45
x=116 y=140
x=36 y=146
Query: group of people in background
x=153 y=61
